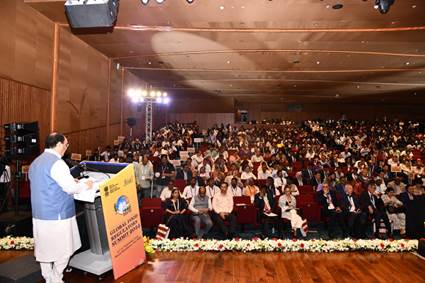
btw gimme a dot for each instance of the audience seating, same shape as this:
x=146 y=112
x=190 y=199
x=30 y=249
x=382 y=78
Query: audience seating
x=151 y=213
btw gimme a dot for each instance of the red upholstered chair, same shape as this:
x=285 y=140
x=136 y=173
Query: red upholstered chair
x=180 y=184
x=306 y=189
x=245 y=212
x=305 y=199
x=255 y=166
x=260 y=183
x=297 y=166
x=151 y=212
x=311 y=211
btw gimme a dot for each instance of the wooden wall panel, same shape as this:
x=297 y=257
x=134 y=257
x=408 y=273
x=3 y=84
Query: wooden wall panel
x=23 y=103
x=26 y=44
x=82 y=140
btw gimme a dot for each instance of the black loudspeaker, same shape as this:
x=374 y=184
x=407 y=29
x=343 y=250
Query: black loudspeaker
x=21 y=140
x=91 y=13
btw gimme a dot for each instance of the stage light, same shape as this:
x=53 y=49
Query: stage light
x=166 y=100
x=144 y=93
x=145 y=2
x=152 y=93
x=158 y=100
x=134 y=99
x=130 y=93
x=158 y=94
x=164 y=94
x=383 y=6
x=138 y=92
x=141 y=99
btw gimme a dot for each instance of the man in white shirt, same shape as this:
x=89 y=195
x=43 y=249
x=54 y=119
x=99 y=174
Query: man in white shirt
x=234 y=189
x=166 y=191
x=191 y=190
x=279 y=181
x=5 y=179
x=223 y=210
x=144 y=177
x=211 y=188
x=257 y=157
x=55 y=230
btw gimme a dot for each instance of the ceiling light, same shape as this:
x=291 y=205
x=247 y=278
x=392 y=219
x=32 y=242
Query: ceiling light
x=166 y=100
x=318 y=62
x=158 y=100
x=149 y=63
x=144 y=2
x=189 y=1
x=228 y=62
x=222 y=8
x=407 y=63
x=383 y=6
x=159 y=1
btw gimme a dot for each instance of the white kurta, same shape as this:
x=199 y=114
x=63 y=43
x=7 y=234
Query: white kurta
x=58 y=239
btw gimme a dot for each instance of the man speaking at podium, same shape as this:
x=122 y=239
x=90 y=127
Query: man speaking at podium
x=56 y=235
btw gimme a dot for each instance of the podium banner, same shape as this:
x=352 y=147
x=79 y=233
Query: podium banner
x=122 y=221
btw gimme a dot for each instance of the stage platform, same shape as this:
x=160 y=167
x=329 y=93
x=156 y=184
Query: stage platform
x=265 y=267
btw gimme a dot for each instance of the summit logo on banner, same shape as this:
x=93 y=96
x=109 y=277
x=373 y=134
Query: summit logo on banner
x=122 y=221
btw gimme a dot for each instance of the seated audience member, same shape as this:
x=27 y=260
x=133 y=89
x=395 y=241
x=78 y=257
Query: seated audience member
x=294 y=190
x=247 y=174
x=190 y=190
x=408 y=195
x=211 y=188
x=257 y=158
x=299 y=180
x=200 y=205
x=398 y=186
x=331 y=209
x=175 y=217
x=279 y=182
x=164 y=172
x=395 y=211
x=354 y=219
x=415 y=213
x=234 y=188
x=166 y=191
x=265 y=215
x=288 y=204
x=373 y=207
x=263 y=171
x=185 y=173
x=223 y=211
x=250 y=189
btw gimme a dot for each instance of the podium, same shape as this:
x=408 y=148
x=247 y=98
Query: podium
x=97 y=259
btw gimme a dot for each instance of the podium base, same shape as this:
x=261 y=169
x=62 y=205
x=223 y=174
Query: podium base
x=92 y=263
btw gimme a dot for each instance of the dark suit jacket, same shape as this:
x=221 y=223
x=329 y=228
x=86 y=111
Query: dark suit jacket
x=180 y=175
x=323 y=201
x=365 y=202
x=345 y=203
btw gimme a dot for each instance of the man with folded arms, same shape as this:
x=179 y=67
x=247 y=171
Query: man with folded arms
x=200 y=205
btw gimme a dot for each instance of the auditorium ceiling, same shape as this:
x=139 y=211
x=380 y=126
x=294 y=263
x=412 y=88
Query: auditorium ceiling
x=293 y=51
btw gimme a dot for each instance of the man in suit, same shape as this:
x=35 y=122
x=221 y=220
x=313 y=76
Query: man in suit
x=308 y=174
x=374 y=207
x=185 y=173
x=330 y=208
x=354 y=220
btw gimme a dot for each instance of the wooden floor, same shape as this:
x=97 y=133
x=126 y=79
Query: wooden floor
x=266 y=267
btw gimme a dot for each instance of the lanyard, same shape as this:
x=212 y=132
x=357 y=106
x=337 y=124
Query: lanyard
x=176 y=208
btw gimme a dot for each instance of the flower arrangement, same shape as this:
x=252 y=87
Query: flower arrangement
x=277 y=245
x=254 y=245
x=148 y=247
x=16 y=243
